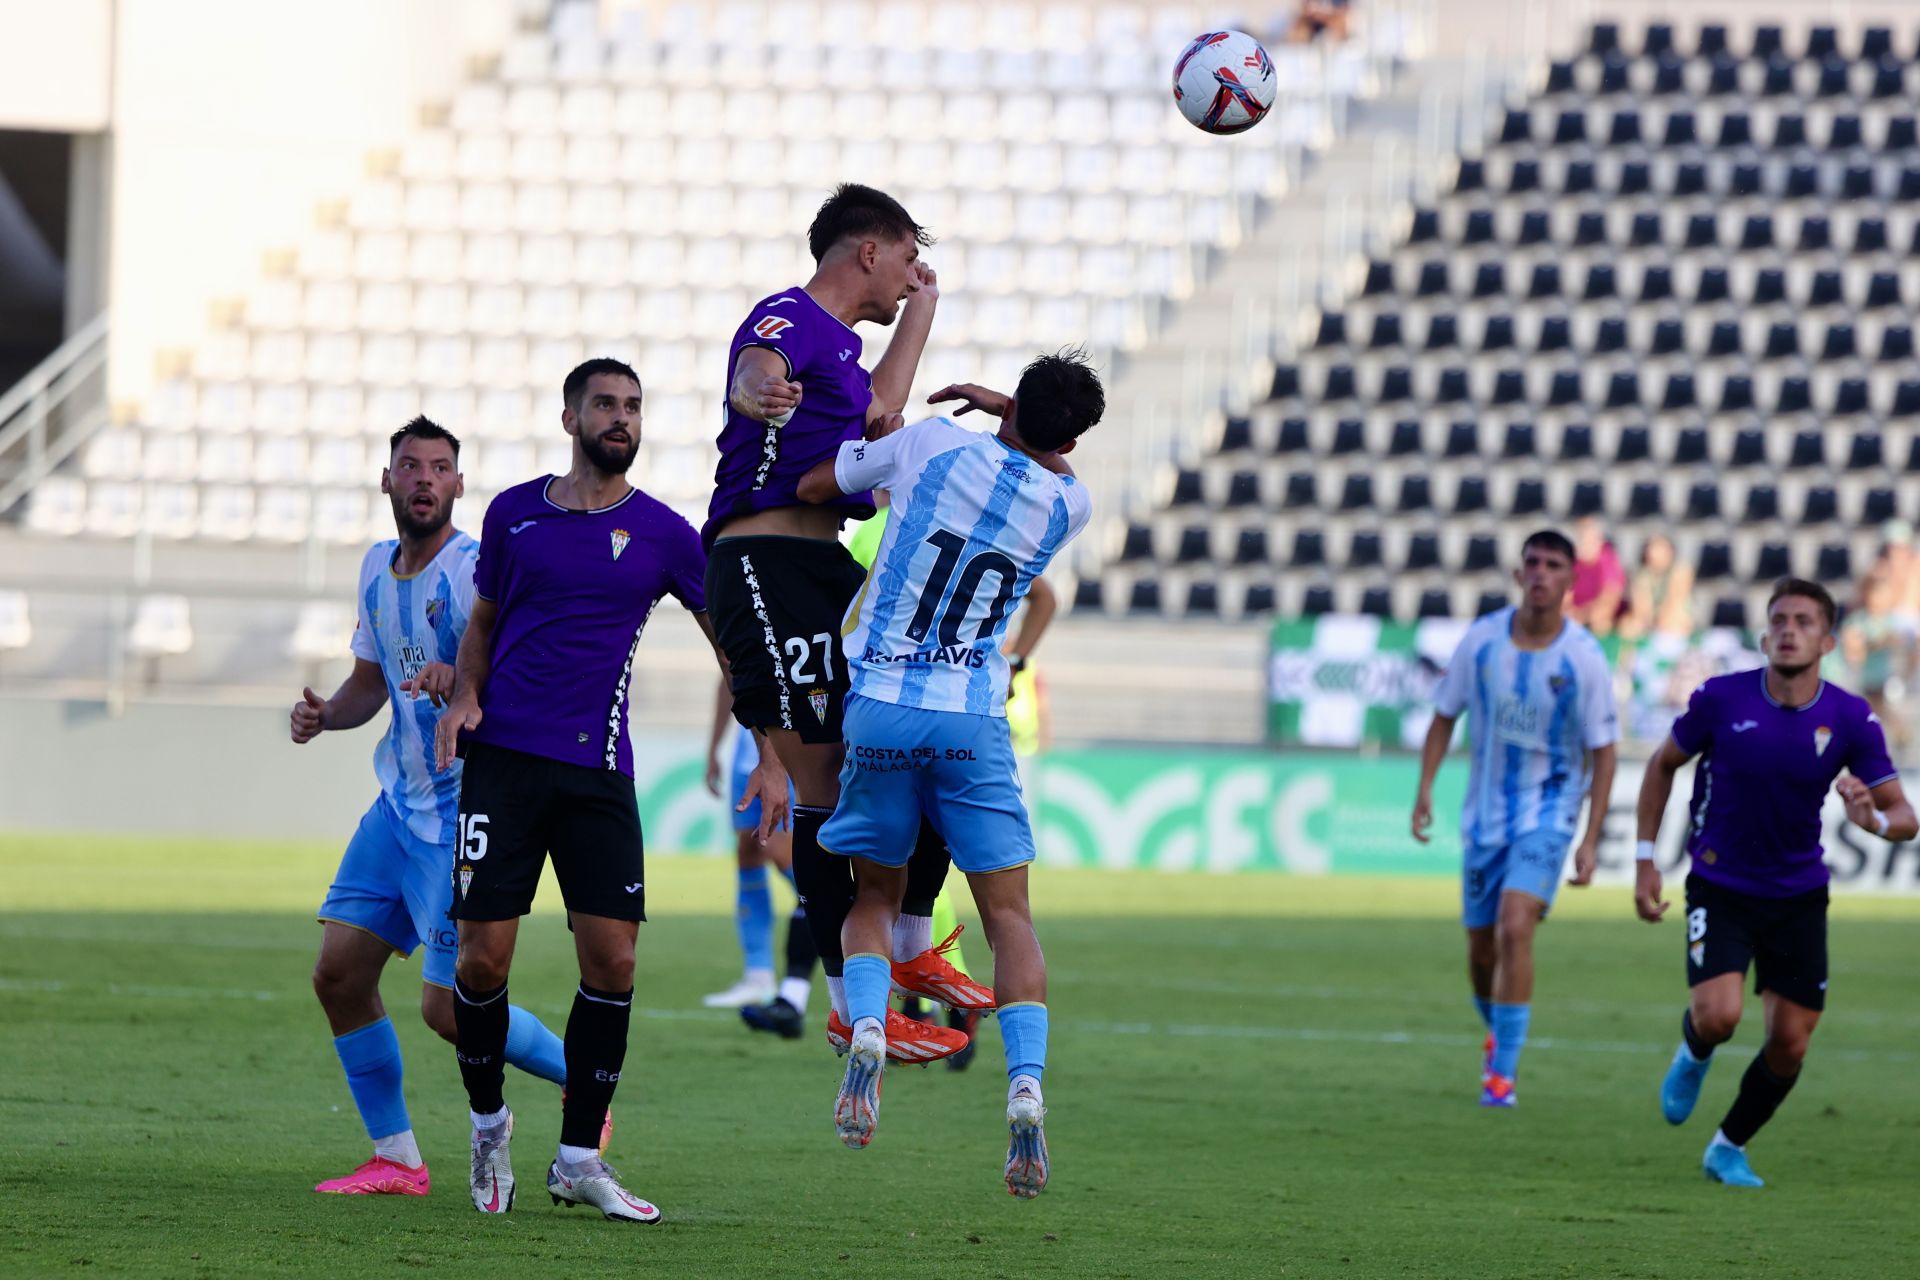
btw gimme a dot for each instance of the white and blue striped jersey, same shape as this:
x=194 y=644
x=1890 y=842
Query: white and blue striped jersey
x=974 y=522
x=1532 y=717
x=404 y=623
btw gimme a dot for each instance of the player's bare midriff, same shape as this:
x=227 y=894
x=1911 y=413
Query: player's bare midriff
x=821 y=523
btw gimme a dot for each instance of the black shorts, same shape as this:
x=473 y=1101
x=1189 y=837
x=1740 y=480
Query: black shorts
x=1785 y=939
x=516 y=808
x=777 y=605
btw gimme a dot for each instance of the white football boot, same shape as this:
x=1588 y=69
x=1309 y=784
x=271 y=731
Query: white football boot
x=492 y=1180
x=597 y=1185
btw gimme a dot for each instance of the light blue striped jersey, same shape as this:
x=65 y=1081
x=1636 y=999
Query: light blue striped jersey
x=404 y=623
x=1532 y=717
x=973 y=523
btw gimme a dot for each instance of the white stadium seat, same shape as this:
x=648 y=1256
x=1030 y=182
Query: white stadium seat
x=162 y=625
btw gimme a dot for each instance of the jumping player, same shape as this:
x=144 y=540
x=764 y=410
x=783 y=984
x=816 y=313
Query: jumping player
x=570 y=569
x=1773 y=741
x=392 y=891
x=976 y=519
x=778 y=579
x=1540 y=694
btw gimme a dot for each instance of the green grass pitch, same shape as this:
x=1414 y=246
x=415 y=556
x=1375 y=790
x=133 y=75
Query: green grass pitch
x=1250 y=1077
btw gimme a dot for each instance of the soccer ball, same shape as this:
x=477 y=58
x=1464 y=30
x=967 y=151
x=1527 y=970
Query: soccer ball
x=1223 y=82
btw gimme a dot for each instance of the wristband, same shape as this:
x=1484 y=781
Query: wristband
x=1880 y=817
x=1643 y=851
x=1016 y=664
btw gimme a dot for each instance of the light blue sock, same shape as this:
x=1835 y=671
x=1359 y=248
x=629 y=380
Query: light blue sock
x=868 y=980
x=371 y=1057
x=1023 y=1029
x=1485 y=1006
x=533 y=1048
x=1509 y=1037
x=753 y=916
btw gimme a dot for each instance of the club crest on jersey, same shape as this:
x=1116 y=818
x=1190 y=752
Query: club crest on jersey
x=435 y=607
x=1821 y=737
x=1557 y=683
x=620 y=540
x=817 y=699
x=1697 y=953
x=466 y=880
x=772 y=326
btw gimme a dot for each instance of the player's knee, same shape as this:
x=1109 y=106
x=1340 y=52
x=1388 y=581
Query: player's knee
x=1786 y=1049
x=436 y=1010
x=1715 y=1021
x=337 y=984
x=1515 y=931
x=610 y=972
x=478 y=969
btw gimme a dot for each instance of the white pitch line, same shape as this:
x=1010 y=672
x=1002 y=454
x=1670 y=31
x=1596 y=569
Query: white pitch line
x=1299 y=1035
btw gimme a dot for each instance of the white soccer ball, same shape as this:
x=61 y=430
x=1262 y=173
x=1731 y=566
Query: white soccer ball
x=1224 y=82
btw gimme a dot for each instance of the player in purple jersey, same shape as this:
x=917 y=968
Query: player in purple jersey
x=1771 y=743
x=570 y=568
x=778 y=579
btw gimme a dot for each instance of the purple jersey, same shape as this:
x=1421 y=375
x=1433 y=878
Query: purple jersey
x=1766 y=771
x=574 y=589
x=761 y=462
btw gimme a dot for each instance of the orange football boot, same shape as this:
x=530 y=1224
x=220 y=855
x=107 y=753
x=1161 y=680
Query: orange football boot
x=930 y=974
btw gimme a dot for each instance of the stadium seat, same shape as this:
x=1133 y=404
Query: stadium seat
x=1317 y=600
x=1143 y=597
x=1772 y=561
x=1203 y=599
x=1715 y=561
x=1309 y=549
x=1364 y=550
x=1250 y=547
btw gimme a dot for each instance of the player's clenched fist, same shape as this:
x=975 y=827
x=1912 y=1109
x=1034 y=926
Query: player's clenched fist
x=774 y=397
x=309 y=716
x=1859 y=800
x=462 y=714
x=925 y=284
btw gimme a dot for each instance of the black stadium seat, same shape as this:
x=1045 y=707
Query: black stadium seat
x=1416 y=493
x=1203 y=599
x=1715 y=561
x=1196 y=546
x=1137 y=545
x=1773 y=560
x=1260 y=599
x=1144 y=596
x=1376 y=602
x=1423 y=553
x=1250 y=548
x=1309 y=549
x=1482 y=554
x=1317 y=600
x=1364 y=551
x=1293 y=437
x=1243 y=490
x=1434 y=603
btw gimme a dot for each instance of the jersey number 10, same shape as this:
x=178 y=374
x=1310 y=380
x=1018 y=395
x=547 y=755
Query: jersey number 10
x=950 y=545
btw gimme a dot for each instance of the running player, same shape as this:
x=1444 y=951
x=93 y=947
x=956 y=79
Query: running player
x=1543 y=729
x=778 y=578
x=1774 y=740
x=753 y=895
x=570 y=568
x=976 y=520
x=392 y=891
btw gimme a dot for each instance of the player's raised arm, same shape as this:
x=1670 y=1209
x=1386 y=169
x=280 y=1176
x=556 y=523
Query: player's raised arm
x=973 y=396
x=357 y=700
x=470 y=671
x=893 y=375
x=761 y=388
x=858 y=466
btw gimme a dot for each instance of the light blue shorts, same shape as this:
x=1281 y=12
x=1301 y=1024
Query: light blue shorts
x=1531 y=865
x=955 y=769
x=746 y=758
x=399 y=889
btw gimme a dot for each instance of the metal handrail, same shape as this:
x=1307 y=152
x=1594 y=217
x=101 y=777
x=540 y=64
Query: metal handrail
x=50 y=387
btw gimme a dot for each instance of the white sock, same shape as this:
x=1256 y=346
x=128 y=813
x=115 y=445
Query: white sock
x=878 y=1026
x=759 y=977
x=796 y=991
x=577 y=1155
x=1720 y=1140
x=837 y=995
x=911 y=936
x=493 y=1121
x=399 y=1148
x=1023 y=1084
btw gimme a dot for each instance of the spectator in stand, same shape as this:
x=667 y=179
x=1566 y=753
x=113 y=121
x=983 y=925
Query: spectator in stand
x=1599 y=582
x=1878 y=650
x=1660 y=597
x=1901 y=566
x=1331 y=18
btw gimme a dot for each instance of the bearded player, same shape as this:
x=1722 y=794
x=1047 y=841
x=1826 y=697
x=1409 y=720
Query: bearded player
x=393 y=888
x=1773 y=741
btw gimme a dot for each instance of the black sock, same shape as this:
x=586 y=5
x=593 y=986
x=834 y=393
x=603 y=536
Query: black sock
x=926 y=872
x=480 y=1044
x=824 y=882
x=596 y=1046
x=1761 y=1092
x=1695 y=1045
x=801 y=953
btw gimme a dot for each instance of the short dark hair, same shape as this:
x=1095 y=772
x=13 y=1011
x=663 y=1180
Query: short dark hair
x=576 y=384
x=1808 y=589
x=854 y=210
x=1058 y=399
x=1548 y=540
x=424 y=428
